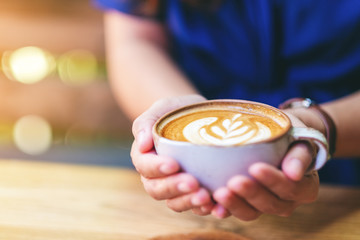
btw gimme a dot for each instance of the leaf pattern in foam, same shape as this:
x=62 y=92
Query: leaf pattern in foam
x=230 y=132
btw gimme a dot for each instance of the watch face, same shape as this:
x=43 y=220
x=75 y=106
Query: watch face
x=298 y=103
x=308 y=102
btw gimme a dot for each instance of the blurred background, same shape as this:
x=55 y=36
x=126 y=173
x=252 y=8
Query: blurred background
x=55 y=102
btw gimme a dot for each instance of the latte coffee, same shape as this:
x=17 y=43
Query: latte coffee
x=223 y=124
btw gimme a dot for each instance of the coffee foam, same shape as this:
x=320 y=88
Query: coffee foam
x=229 y=132
x=223 y=124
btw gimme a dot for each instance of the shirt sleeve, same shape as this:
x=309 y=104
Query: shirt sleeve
x=152 y=9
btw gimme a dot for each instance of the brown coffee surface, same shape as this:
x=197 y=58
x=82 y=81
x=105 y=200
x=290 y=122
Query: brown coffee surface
x=216 y=126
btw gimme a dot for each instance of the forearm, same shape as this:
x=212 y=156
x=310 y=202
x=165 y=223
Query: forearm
x=140 y=69
x=345 y=113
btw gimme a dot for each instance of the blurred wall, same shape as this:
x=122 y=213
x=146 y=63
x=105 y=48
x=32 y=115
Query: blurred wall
x=77 y=104
x=52 y=24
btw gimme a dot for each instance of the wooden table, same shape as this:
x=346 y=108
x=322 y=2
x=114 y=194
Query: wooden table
x=57 y=201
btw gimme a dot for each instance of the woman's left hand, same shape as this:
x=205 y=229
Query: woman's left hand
x=272 y=190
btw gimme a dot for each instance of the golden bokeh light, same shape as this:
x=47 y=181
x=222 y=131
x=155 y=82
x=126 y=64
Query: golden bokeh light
x=32 y=135
x=28 y=64
x=78 y=67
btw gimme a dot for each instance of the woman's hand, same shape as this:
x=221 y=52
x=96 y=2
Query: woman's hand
x=271 y=191
x=161 y=175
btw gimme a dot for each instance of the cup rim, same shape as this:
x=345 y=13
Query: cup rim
x=157 y=137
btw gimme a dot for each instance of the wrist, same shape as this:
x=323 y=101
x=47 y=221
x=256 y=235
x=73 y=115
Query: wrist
x=309 y=117
x=315 y=117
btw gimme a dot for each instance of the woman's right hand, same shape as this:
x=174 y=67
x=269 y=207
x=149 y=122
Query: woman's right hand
x=161 y=176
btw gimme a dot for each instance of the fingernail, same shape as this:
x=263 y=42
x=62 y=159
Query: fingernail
x=295 y=167
x=196 y=201
x=219 y=211
x=236 y=183
x=140 y=136
x=167 y=168
x=199 y=198
x=221 y=194
x=206 y=209
x=184 y=187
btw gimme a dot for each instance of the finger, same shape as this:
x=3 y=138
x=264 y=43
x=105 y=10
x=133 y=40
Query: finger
x=170 y=187
x=277 y=182
x=259 y=197
x=297 y=161
x=204 y=210
x=235 y=205
x=142 y=131
x=142 y=126
x=151 y=165
x=220 y=212
x=190 y=201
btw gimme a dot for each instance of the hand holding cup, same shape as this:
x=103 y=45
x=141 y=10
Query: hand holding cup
x=182 y=191
x=216 y=140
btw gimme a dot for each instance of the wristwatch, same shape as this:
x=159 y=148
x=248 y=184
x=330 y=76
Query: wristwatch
x=325 y=118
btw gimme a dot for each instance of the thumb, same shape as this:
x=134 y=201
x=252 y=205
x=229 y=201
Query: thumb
x=142 y=126
x=297 y=161
x=142 y=131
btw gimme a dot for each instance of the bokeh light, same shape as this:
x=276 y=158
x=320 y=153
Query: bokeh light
x=32 y=135
x=28 y=64
x=78 y=67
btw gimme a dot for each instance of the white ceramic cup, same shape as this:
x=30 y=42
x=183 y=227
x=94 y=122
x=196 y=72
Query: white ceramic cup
x=214 y=165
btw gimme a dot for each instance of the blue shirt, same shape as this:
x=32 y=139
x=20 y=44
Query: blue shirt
x=266 y=51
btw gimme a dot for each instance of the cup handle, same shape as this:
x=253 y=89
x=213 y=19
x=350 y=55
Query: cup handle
x=313 y=135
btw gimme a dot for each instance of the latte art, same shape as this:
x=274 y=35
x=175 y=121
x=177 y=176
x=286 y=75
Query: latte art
x=221 y=127
x=238 y=130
